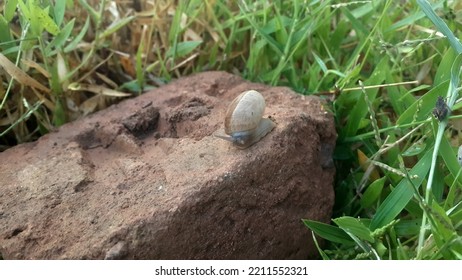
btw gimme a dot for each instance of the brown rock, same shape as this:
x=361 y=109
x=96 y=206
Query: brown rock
x=145 y=179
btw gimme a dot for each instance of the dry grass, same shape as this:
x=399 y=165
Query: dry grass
x=129 y=47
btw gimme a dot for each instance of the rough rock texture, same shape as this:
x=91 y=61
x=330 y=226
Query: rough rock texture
x=146 y=179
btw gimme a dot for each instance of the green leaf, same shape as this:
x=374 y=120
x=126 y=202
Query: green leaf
x=400 y=98
x=116 y=25
x=400 y=196
x=357 y=23
x=443 y=230
x=443 y=72
x=450 y=159
x=93 y=13
x=73 y=44
x=423 y=107
x=42 y=17
x=321 y=252
x=411 y=18
x=183 y=48
x=10 y=9
x=24 y=10
x=59 y=114
x=442 y=223
x=60 y=39
x=359 y=111
x=453 y=90
x=59 y=10
x=440 y=25
x=372 y=193
x=278 y=48
x=5 y=36
x=408 y=228
x=415 y=149
x=319 y=61
x=329 y=232
x=354 y=226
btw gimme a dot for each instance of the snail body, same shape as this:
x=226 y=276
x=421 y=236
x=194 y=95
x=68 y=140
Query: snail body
x=244 y=122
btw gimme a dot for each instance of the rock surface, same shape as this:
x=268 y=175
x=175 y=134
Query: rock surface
x=146 y=179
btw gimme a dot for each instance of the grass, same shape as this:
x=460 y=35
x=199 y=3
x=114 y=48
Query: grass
x=381 y=67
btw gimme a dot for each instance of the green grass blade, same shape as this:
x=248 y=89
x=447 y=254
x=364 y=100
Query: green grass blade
x=422 y=108
x=329 y=232
x=359 y=111
x=6 y=39
x=408 y=228
x=355 y=227
x=116 y=25
x=183 y=49
x=60 y=39
x=59 y=9
x=443 y=72
x=41 y=19
x=453 y=91
x=452 y=95
x=273 y=43
x=25 y=116
x=450 y=158
x=402 y=194
x=411 y=19
x=77 y=39
x=372 y=193
x=440 y=25
x=9 y=9
x=321 y=252
x=93 y=13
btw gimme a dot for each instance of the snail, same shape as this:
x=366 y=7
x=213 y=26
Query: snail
x=244 y=122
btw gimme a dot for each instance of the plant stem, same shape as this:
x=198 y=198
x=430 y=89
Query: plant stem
x=428 y=197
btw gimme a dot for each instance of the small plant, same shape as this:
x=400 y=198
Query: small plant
x=46 y=58
x=419 y=215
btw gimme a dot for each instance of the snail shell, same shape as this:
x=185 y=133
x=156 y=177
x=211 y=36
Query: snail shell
x=244 y=122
